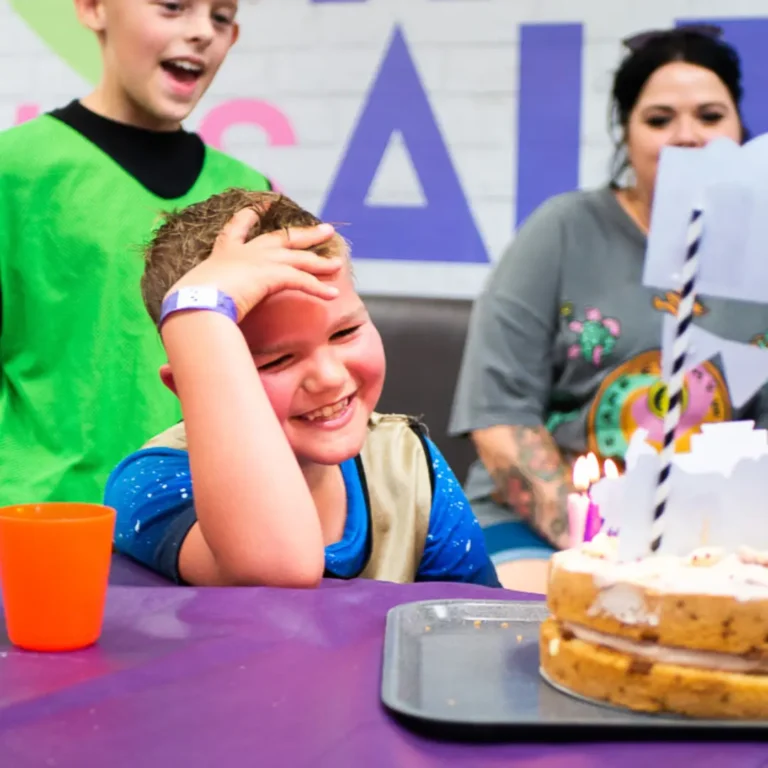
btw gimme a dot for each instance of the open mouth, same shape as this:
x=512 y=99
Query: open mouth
x=328 y=412
x=183 y=70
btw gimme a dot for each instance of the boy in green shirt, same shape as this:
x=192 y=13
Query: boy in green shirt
x=81 y=190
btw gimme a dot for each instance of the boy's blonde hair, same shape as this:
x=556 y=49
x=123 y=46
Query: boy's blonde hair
x=187 y=236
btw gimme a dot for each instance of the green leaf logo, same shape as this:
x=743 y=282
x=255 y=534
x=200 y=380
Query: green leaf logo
x=56 y=24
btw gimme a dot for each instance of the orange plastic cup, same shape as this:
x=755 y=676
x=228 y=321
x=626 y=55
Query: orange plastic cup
x=54 y=570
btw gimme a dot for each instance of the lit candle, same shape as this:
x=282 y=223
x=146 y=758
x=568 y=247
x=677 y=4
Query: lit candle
x=593 y=468
x=594 y=521
x=578 y=503
x=584 y=520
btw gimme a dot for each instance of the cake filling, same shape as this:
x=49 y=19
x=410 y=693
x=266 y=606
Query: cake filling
x=683 y=657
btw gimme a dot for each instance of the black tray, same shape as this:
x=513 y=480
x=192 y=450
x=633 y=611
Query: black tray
x=460 y=669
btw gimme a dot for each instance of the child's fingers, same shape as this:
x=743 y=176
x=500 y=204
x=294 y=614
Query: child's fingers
x=311 y=262
x=237 y=228
x=297 y=238
x=286 y=277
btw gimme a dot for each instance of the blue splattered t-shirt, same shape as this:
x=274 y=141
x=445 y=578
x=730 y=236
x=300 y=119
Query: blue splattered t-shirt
x=152 y=493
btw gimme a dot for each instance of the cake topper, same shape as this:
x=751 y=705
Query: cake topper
x=708 y=236
x=729 y=183
x=717 y=499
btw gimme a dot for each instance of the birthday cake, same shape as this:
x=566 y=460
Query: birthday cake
x=666 y=608
x=683 y=627
x=685 y=635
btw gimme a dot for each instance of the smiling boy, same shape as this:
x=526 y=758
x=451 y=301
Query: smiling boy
x=81 y=189
x=281 y=472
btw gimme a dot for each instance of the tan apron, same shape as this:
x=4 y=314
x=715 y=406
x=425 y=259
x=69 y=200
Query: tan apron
x=399 y=485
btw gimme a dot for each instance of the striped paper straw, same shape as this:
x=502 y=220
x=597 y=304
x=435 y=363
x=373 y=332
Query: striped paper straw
x=677 y=377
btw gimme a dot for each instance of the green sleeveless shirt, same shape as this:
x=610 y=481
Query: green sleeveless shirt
x=79 y=356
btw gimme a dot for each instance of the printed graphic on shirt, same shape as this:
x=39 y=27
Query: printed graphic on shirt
x=670 y=301
x=596 y=335
x=634 y=396
x=760 y=340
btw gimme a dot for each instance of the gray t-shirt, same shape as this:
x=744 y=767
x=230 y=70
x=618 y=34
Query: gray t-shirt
x=566 y=335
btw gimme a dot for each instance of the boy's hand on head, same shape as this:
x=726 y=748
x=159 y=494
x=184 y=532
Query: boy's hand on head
x=273 y=262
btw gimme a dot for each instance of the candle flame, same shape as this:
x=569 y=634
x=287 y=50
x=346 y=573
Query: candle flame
x=581 y=474
x=593 y=467
x=610 y=469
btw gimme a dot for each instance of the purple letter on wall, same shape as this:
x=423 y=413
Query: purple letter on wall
x=749 y=37
x=549 y=114
x=441 y=230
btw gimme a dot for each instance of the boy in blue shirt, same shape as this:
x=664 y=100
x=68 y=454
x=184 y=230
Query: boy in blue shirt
x=281 y=472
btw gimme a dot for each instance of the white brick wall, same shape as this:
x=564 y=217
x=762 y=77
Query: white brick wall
x=316 y=62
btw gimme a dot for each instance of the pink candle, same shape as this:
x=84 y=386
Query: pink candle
x=578 y=507
x=584 y=518
x=578 y=503
x=593 y=523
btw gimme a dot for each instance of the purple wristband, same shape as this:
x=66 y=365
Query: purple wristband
x=198 y=297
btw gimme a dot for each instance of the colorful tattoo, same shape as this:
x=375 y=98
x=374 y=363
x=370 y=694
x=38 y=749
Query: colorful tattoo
x=537 y=484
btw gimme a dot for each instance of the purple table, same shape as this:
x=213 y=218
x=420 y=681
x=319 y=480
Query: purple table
x=244 y=677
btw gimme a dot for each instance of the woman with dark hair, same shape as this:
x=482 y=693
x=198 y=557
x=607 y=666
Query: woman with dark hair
x=563 y=353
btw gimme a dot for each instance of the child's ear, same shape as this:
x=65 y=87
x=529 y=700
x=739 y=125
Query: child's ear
x=167 y=378
x=235 y=33
x=91 y=14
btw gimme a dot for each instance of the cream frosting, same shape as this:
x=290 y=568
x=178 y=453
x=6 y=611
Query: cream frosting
x=704 y=572
x=624 y=602
x=725 y=662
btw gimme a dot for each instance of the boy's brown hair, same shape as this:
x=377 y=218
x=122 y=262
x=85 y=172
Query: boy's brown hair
x=187 y=236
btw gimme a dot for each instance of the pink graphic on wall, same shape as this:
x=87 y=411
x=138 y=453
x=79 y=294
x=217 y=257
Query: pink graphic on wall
x=269 y=118
x=26 y=112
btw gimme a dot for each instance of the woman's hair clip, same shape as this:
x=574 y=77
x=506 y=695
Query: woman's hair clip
x=640 y=40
